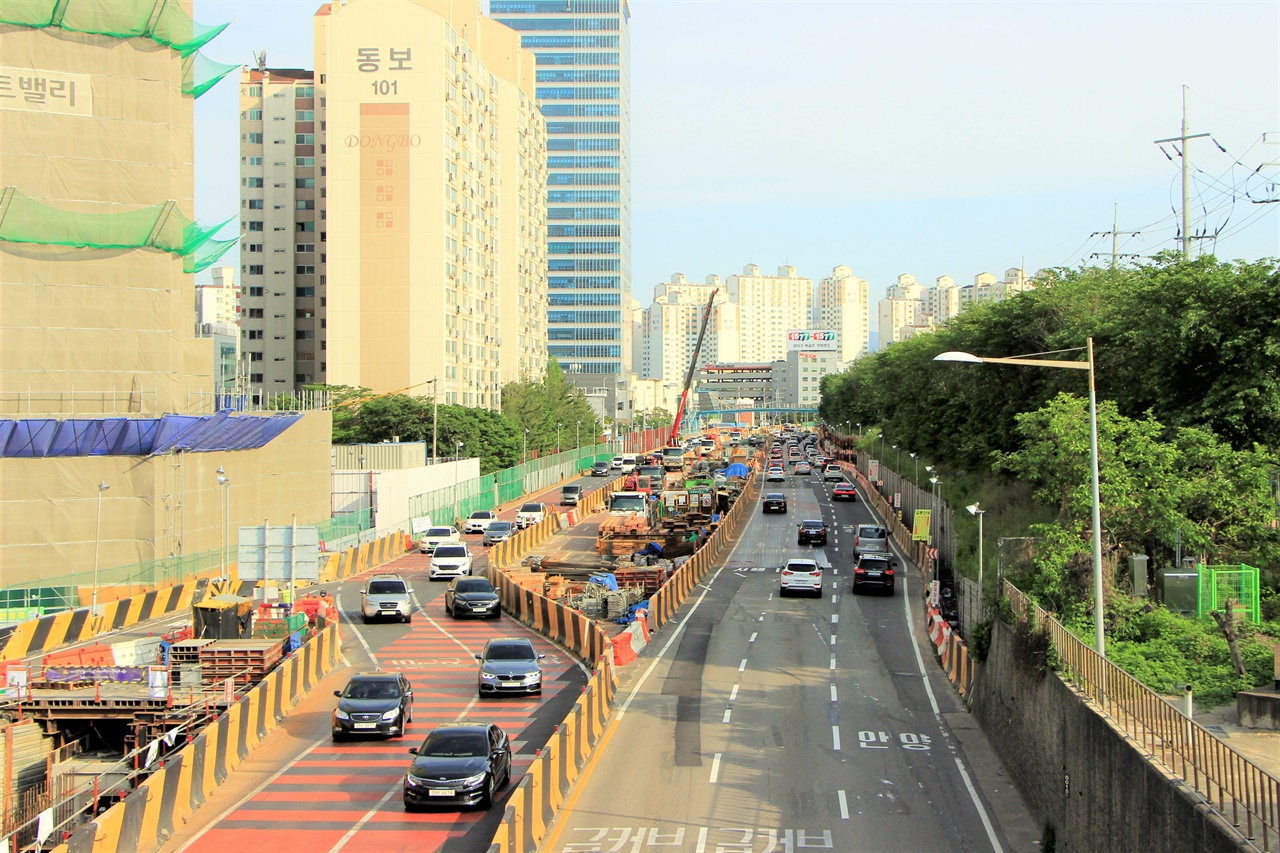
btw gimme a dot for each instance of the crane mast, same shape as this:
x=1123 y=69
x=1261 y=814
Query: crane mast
x=674 y=440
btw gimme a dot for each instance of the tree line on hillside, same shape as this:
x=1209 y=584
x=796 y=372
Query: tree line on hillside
x=1187 y=364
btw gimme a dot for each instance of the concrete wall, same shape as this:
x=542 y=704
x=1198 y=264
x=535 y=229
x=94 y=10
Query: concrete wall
x=1081 y=776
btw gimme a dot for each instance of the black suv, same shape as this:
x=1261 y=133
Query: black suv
x=875 y=570
x=374 y=703
x=812 y=532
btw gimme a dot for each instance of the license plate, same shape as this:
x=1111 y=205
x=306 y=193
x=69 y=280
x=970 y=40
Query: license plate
x=873 y=574
x=438 y=793
x=365 y=725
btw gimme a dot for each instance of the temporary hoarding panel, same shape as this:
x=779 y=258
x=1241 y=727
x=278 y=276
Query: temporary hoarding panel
x=268 y=553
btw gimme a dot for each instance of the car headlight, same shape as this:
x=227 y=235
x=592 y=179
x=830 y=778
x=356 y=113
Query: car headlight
x=477 y=779
x=341 y=714
x=532 y=677
x=392 y=714
x=488 y=676
x=413 y=781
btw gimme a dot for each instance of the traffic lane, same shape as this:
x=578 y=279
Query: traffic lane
x=347 y=795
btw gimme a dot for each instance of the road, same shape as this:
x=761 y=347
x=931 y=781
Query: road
x=760 y=724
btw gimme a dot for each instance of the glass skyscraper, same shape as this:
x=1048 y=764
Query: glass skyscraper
x=583 y=50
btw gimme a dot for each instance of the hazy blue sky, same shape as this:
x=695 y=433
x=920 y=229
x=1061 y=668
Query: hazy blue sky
x=945 y=138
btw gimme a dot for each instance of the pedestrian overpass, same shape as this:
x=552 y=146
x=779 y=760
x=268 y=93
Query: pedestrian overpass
x=773 y=414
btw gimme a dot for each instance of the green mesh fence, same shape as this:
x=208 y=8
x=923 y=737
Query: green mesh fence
x=161 y=226
x=340 y=526
x=200 y=74
x=1237 y=584
x=163 y=21
x=63 y=591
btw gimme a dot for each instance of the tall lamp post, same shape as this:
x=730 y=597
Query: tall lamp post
x=558 y=438
x=524 y=454
x=1099 y=635
x=97 y=543
x=897 y=465
x=916 y=458
x=435 y=408
x=225 y=482
x=577 y=435
x=974 y=509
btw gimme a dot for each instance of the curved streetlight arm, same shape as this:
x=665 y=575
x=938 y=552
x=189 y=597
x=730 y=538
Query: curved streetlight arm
x=970 y=358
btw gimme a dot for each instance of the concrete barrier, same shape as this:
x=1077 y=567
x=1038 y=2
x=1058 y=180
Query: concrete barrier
x=146 y=818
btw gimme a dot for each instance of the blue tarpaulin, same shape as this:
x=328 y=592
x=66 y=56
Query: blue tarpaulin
x=605 y=579
x=47 y=437
x=737 y=469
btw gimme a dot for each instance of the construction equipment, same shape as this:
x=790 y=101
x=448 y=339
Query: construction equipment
x=674 y=440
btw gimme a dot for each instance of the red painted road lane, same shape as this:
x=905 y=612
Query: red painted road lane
x=336 y=788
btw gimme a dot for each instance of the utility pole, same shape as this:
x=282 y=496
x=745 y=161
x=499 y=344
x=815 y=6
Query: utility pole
x=1186 y=175
x=1115 y=233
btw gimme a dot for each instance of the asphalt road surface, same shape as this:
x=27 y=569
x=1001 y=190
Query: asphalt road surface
x=760 y=724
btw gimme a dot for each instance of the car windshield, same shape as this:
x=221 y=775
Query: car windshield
x=381 y=688
x=569 y=490
x=531 y=508
x=803 y=567
x=474 y=585
x=499 y=526
x=386 y=587
x=440 y=531
x=871 y=532
x=456 y=745
x=451 y=551
x=481 y=515
x=510 y=651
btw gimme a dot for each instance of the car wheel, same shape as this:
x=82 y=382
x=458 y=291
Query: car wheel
x=410 y=807
x=448 y=610
x=889 y=590
x=408 y=619
x=487 y=799
x=364 y=617
x=338 y=737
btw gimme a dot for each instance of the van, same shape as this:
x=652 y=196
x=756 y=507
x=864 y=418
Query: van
x=569 y=495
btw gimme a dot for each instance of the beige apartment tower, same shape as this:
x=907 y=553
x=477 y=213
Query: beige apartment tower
x=843 y=305
x=769 y=306
x=432 y=201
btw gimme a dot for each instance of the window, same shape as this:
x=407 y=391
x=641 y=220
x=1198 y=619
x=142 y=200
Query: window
x=304 y=183
x=255 y=204
x=304 y=115
x=255 y=291
x=304 y=335
x=304 y=270
x=255 y=313
x=255 y=161
x=304 y=161
x=255 y=225
x=304 y=139
x=253 y=247
x=253 y=334
x=255 y=377
x=304 y=204
x=254 y=183
x=255 y=91
x=304 y=92
x=304 y=291
x=304 y=248
x=305 y=226
x=254 y=138
x=253 y=115
x=255 y=269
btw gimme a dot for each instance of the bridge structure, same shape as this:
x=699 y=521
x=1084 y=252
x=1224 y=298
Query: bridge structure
x=774 y=414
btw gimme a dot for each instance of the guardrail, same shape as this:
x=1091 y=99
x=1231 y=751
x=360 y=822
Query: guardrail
x=1241 y=791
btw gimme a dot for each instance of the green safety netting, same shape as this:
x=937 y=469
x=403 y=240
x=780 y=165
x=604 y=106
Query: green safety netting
x=163 y=21
x=207 y=255
x=162 y=226
x=200 y=74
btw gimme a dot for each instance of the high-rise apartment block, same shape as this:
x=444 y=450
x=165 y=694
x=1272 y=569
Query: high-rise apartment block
x=843 y=306
x=910 y=308
x=395 y=207
x=769 y=306
x=670 y=328
x=583 y=53
x=218 y=303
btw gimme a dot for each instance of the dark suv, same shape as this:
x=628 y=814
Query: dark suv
x=812 y=532
x=875 y=570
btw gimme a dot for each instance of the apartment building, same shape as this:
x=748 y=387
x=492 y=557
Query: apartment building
x=394 y=207
x=943 y=300
x=843 y=305
x=218 y=302
x=669 y=328
x=768 y=307
x=583 y=50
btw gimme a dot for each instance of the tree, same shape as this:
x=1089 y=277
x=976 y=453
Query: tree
x=540 y=406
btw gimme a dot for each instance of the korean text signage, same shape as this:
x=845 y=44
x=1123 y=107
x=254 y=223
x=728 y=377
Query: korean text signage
x=812 y=340
x=36 y=91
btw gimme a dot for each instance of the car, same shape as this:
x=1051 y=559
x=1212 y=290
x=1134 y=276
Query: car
x=436 y=536
x=844 y=491
x=600 y=469
x=499 y=531
x=451 y=560
x=628 y=463
x=812 y=531
x=386 y=596
x=821 y=461
x=800 y=576
x=479 y=521
x=833 y=472
x=802 y=468
x=874 y=570
x=570 y=495
x=616 y=463
x=529 y=514
x=459 y=764
x=471 y=597
x=870 y=538
x=373 y=703
x=774 y=502
x=775 y=475
x=509 y=665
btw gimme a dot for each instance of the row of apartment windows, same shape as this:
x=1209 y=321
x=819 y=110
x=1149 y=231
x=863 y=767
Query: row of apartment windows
x=583 y=231
x=583 y=75
x=583 y=248
x=596 y=161
x=584 y=334
x=578 y=93
x=578 y=59
x=584 y=316
x=584 y=179
x=585 y=351
x=582 y=196
x=535 y=42
x=568 y=110
x=583 y=144
x=298 y=139
x=520 y=24
x=583 y=265
x=596 y=299
x=581 y=213
x=584 y=282
x=548 y=7
x=562 y=127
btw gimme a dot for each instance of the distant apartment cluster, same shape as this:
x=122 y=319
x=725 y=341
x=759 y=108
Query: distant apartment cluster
x=909 y=308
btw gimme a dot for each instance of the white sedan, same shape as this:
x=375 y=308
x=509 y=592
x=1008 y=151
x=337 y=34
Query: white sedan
x=775 y=475
x=479 y=521
x=436 y=536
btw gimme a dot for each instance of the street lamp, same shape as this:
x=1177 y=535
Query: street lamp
x=97 y=543
x=435 y=408
x=225 y=482
x=524 y=455
x=897 y=465
x=859 y=426
x=1099 y=636
x=577 y=435
x=558 y=438
x=936 y=509
x=916 y=458
x=975 y=510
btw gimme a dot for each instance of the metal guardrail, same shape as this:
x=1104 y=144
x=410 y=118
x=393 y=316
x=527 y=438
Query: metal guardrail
x=1239 y=790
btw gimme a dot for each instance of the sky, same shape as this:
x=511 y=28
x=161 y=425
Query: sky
x=931 y=138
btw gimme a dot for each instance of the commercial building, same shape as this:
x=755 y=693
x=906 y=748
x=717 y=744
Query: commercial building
x=769 y=306
x=583 y=50
x=798 y=377
x=843 y=305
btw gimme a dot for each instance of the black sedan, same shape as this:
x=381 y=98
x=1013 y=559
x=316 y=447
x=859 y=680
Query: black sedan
x=373 y=703
x=812 y=532
x=459 y=764
x=774 y=502
x=471 y=597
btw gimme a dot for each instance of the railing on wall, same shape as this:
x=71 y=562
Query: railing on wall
x=1241 y=791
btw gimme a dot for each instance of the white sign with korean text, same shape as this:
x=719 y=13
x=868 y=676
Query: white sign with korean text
x=32 y=90
x=812 y=340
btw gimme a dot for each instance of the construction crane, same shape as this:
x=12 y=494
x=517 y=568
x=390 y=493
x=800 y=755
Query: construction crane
x=674 y=440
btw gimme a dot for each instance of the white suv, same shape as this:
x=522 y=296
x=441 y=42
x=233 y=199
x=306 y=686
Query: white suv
x=479 y=521
x=530 y=514
x=801 y=576
x=833 y=472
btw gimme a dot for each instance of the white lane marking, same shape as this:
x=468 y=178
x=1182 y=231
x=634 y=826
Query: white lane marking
x=733 y=694
x=833 y=693
x=844 y=805
x=982 y=813
x=835 y=737
x=702 y=840
x=753 y=637
x=833 y=663
x=834 y=598
x=770 y=598
x=727 y=712
x=342 y=842
x=715 y=768
x=833 y=638
x=835 y=618
x=761 y=619
x=352 y=624
x=742 y=666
